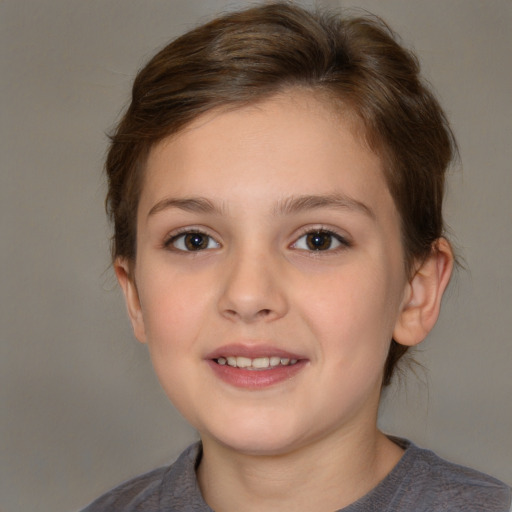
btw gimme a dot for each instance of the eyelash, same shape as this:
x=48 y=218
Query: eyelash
x=172 y=239
x=342 y=242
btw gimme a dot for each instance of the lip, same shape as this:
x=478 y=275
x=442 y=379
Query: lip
x=254 y=379
x=252 y=351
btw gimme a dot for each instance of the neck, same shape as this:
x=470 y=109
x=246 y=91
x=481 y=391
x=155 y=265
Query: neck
x=326 y=475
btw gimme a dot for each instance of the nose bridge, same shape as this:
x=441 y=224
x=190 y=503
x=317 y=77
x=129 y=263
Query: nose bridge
x=252 y=289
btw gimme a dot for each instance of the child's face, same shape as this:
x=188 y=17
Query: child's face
x=231 y=212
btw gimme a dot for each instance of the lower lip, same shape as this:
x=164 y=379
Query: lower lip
x=256 y=379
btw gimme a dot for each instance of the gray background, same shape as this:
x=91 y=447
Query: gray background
x=80 y=407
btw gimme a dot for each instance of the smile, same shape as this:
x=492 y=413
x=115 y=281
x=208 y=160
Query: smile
x=257 y=363
x=253 y=366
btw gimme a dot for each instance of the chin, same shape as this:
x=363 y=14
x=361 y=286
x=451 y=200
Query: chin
x=259 y=447
x=258 y=439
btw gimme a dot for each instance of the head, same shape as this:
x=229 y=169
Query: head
x=354 y=66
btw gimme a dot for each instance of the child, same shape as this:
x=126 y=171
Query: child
x=276 y=190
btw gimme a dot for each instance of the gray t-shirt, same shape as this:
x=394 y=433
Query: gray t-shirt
x=420 y=482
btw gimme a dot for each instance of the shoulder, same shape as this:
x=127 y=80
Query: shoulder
x=157 y=490
x=142 y=492
x=444 y=486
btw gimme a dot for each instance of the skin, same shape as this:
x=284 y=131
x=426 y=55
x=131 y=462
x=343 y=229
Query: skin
x=309 y=442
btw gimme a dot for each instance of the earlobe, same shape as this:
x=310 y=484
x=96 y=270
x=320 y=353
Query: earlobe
x=423 y=295
x=127 y=282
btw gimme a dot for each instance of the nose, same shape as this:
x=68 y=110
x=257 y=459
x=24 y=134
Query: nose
x=253 y=288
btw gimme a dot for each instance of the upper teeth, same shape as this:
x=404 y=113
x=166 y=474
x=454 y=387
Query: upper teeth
x=256 y=363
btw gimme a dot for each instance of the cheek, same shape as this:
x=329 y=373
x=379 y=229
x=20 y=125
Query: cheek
x=172 y=309
x=174 y=316
x=354 y=312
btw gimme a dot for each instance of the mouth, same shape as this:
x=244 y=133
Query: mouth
x=255 y=366
x=257 y=363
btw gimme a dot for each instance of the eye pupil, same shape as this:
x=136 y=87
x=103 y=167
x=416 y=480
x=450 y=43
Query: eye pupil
x=319 y=241
x=195 y=241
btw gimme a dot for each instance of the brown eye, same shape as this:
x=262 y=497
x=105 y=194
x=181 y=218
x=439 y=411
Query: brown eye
x=319 y=241
x=192 y=242
x=196 y=241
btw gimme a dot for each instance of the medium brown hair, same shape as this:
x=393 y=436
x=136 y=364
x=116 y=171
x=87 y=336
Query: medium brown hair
x=248 y=56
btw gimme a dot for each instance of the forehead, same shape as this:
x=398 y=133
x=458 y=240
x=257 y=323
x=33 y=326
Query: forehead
x=285 y=138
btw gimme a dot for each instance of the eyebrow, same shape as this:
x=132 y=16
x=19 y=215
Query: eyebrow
x=296 y=204
x=192 y=204
x=285 y=206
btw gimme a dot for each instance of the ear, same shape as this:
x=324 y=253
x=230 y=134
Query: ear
x=423 y=294
x=126 y=280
